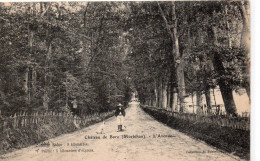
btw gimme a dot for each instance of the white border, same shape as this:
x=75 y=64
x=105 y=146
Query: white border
x=255 y=74
x=255 y=79
x=102 y=0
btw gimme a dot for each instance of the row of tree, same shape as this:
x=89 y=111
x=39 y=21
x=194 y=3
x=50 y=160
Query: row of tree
x=54 y=55
x=92 y=53
x=183 y=48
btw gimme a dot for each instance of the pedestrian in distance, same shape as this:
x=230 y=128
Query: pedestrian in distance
x=120 y=114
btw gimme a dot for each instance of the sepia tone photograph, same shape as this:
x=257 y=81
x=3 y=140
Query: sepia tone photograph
x=125 y=81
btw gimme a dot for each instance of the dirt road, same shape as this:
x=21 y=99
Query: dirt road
x=144 y=139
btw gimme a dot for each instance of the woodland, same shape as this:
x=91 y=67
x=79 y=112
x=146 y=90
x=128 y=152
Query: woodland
x=97 y=54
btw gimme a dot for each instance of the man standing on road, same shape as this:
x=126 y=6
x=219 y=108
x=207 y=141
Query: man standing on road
x=120 y=114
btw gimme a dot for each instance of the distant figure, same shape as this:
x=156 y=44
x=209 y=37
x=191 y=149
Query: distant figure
x=218 y=110
x=120 y=114
x=75 y=106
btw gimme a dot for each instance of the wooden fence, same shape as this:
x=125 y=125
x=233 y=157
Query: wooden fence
x=25 y=119
x=242 y=123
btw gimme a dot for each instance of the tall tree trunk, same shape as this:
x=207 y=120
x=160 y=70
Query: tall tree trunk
x=248 y=89
x=160 y=94
x=198 y=99
x=34 y=76
x=30 y=44
x=46 y=70
x=151 y=101
x=208 y=99
x=228 y=28
x=154 y=101
x=217 y=107
x=225 y=89
x=179 y=61
x=245 y=41
x=172 y=30
x=85 y=16
x=67 y=94
x=207 y=93
x=45 y=101
x=25 y=83
x=192 y=95
x=168 y=97
x=175 y=100
x=172 y=88
x=164 y=96
x=171 y=98
x=199 y=109
x=156 y=96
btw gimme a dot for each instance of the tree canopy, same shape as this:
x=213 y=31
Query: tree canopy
x=100 y=52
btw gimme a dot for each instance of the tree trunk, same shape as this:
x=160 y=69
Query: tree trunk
x=25 y=80
x=198 y=99
x=192 y=95
x=156 y=97
x=154 y=102
x=145 y=101
x=214 y=97
x=208 y=99
x=179 y=62
x=217 y=107
x=34 y=75
x=199 y=109
x=248 y=90
x=169 y=97
x=160 y=94
x=245 y=42
x=175 y=100
x=228 y=28
x=25 y=85
x=225 y=89
x=67 y=93
x=164 y=96
x=85 y=16
x=172 y=30
x=45 y=101
x=181 y=85
x=245 y=37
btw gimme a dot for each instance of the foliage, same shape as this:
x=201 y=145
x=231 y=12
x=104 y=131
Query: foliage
x=74 y=51
x=97 y=52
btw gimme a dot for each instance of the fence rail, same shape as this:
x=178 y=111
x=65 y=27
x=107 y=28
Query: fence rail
x=25 y=119
x=242 y=123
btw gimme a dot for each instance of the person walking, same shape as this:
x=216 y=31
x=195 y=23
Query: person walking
x=120 y=114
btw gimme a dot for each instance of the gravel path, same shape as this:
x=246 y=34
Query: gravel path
x=148 y=140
